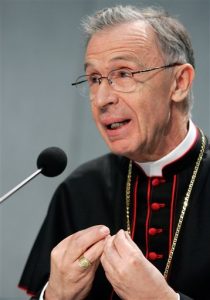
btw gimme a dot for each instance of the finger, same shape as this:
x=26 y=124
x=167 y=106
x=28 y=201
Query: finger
x=88 y=238
x=93 y=255
x=110 y=257
x=132 y=243
x=124 y=245
x=95 y=252
x=76 y=244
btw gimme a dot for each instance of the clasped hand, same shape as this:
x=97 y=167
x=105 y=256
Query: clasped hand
x=75 y=259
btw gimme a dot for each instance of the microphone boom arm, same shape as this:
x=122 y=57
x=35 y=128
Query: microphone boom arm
x=17 y=187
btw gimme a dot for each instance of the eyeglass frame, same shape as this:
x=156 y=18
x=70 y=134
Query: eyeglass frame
x=76 y=83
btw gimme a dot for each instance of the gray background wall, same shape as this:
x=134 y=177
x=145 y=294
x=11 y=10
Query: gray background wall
x=41 y=51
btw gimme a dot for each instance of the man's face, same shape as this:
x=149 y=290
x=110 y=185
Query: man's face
x=141 y=118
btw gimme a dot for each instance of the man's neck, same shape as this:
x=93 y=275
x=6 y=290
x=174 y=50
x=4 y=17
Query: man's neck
x=154 y=168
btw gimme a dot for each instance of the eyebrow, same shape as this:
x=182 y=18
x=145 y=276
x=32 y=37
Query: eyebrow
x=87 y=65
x=117 y=58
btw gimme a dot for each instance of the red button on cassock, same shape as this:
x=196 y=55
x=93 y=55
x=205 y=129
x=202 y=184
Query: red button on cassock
x=157 y=206
x=154 y=256
x=154 y=231
x=155 y=181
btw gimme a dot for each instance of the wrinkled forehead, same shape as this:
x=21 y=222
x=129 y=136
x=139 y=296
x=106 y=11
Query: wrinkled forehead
x=129 y=40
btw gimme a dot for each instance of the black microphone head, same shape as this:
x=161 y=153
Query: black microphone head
x=52 y=161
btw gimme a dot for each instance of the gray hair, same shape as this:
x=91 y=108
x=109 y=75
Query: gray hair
x=171 y=36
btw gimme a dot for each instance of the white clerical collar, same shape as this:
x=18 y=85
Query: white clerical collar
x=154 y=168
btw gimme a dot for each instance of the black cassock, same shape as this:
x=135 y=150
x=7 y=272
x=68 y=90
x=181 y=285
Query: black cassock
x=95 y=194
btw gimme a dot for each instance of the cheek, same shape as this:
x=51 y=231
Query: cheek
x=140 y=109
x=94 y=112
x=150 y=112
x=95 y=116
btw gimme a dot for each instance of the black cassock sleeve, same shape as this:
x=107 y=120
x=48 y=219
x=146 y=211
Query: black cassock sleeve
x=55 y=227
x=184 y=297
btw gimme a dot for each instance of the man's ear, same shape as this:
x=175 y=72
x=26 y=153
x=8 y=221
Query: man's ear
x=183 y=79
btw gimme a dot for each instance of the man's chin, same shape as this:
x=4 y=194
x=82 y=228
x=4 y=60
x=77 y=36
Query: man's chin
x=122 y=152
x=122 y=148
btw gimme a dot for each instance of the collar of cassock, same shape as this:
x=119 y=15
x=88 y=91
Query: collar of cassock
x=155 y=168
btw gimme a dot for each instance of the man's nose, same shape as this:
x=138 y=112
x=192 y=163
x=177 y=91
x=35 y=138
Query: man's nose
x=105 y=94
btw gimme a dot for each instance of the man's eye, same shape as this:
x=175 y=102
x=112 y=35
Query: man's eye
x=124 y=74
x=94 y=79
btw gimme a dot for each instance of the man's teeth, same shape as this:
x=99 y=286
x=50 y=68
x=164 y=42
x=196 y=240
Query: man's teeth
x=117 y=125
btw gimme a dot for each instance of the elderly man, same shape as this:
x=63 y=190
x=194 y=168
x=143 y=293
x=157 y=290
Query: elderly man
x=133 y=224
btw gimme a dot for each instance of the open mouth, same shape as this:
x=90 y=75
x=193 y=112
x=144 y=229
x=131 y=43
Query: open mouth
x=117 y=125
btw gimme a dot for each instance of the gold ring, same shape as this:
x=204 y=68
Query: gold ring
x=84 y=263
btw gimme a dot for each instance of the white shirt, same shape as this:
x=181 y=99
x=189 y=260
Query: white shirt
x=154 y=168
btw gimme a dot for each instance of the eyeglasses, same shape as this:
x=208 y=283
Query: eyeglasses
x=121 y=80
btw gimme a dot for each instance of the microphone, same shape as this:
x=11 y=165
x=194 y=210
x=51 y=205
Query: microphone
x=50 y=162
